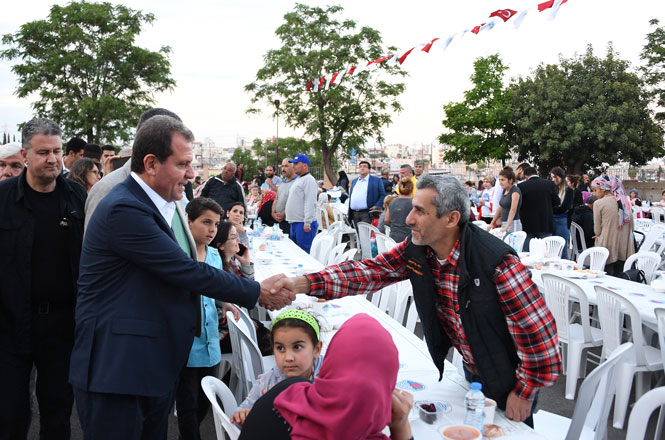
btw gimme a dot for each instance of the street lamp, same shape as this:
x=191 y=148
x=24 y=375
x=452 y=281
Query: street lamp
x=276 y=102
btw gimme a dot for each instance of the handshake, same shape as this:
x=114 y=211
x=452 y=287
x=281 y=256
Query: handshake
x=279 y=291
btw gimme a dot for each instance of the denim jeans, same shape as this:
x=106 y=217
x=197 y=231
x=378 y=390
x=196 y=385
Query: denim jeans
x=561 y=229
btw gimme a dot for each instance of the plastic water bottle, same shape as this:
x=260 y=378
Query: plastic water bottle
x=475 y=406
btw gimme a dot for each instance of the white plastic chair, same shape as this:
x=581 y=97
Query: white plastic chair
x=320 y=215
x=655 y=233
x=346 y=228
x=387 y=230
x=639 y=416
x=384 y=243
x=515 y=240
x=404 y=293
x=643 y=224
x=248 y=361
x=481 y=224
x=335 y=254
x=577 y=240
x=389 y=299
x=592 y=409
x=658 y=214
x=660 y=318
x=597 y=256
x=554 y=246
x=346 y=256
x=645 y=359
x=577 y=337
x=645 y=261
x=365 y=238
x=214 y=388
x=321 y=247
x=412 y=318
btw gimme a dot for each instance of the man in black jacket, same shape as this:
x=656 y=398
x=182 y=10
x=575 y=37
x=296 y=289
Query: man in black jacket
x=539 y=197
x=41 y=229
x=225 y=190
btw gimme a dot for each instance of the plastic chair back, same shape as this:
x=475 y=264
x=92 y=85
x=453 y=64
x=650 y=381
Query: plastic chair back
x=247 y=356
x=639 y=416
x=481 y=224
x=660 y=318
x=384 y=243
x=404 y=293
x=516 y=240
x=645 y=261
x=321 y=247
x=214 y=388
x=321 y=214
x=595 y=396
x=554 y=246
x=365 y=238
x=597 y=256
x=577 y=240
x=655 y=233
x=560 y=291
x=658 y=214
x=412 y=317
x=335 y=254
x=346 y=256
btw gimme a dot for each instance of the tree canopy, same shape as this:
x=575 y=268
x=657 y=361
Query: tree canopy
x=653 y=71
x=255 y=156
x=84 y=66
x=478 y=124
x=582 y=113
x=344 y=117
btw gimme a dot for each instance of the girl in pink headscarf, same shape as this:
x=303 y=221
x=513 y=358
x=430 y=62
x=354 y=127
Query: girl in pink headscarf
x=353 y=398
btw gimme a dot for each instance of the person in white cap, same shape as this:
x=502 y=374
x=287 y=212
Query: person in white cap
x=11 y=161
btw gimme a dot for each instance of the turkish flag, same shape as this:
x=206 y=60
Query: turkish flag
x=428 y=46
x=476 y=29
x=379 y=60
x=503 y=14
x=406 y=54
x=334 y=77
x=351 y=70
x=547 y=5
x=322 y=81
x=309 y=85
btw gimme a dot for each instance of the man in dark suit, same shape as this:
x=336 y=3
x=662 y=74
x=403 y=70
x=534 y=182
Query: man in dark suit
x=138 y=306
x=539 y=197
x=367 y=193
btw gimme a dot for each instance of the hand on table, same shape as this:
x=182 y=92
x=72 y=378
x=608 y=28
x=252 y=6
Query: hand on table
x=274 y=295
x=399 y=419
x=517 y=409
x=239 y=416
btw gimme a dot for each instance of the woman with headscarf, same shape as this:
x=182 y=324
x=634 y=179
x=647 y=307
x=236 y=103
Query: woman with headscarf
x=343 y=181
x=361 y=361
x=265 y=208
x=612 y=221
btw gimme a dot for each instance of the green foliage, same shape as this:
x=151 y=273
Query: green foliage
x=255 y=156
x=250 y=164
x=343 y=117
x=653 y=71
x=89 y=76
x=583 y=113
x=478 y=124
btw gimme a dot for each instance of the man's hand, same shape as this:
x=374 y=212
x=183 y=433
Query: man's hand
x=517 y=409
x=274 y=295
x=294 y=285
x=239 y=416
x=306 y=228
x=107 y=166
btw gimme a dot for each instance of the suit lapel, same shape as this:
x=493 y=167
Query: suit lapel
x=138 y=192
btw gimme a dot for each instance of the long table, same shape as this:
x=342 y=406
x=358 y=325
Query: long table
x=417 y=373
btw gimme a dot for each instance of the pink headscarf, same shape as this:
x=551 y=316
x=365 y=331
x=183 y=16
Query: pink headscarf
x=351 y=399
x=613 y=184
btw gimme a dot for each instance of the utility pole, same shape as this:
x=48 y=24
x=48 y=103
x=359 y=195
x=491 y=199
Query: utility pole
x=276 y=102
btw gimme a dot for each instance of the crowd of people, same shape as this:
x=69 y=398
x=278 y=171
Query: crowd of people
x=121 y=274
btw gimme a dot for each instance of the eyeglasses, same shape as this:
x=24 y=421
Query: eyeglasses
x=232 y=237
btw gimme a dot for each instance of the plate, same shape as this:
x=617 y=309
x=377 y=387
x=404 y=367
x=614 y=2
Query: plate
x=576 y=273
x=410 y=385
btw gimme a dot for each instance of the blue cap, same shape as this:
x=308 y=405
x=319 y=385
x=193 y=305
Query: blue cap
x=301 y=158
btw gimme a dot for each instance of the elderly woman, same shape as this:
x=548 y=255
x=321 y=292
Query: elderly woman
x=253 y=199
x=612 y=222
x=11 y=161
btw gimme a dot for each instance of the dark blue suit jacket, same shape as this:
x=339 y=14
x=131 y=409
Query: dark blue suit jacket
x=375 y=191
x=137 y=305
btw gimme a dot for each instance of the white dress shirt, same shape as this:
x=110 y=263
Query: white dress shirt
x=359 y=194
x=167 y=209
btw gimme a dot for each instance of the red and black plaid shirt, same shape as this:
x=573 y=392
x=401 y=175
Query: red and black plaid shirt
x=529 y=320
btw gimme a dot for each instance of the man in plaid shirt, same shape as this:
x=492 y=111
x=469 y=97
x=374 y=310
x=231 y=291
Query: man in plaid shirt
x=471 y=291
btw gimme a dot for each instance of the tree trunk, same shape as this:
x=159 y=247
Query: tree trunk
x=327 y=164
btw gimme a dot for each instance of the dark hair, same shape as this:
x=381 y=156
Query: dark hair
x=523 y=165
x=80 y=169
x=508 y=173
x=530 y=171
x=108 y=148
x=405 y=186
x=222 y=237
x=561 y=174
x=366 y=163
x=244 y=209
x=662 y=193
x=574 y=179
x=75 y=144
x=155 y=112
x=297 y=323
x=199 y=205
x=155 y=137
x=93 y=151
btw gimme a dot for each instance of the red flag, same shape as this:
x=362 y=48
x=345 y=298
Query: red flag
x=351 y=70
x=476 y=29
x=334 y=77
x=379 y=60
x=428 y=46
x=547 y=5
x=503 y=14
x=406 y=54
x=309 y=85
x=322 y=81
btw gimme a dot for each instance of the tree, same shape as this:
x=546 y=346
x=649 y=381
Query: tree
x=90 y=77
x=582 y=114
x=255 y=156
x=478 y=124
x=343 y=117
x=653 y=71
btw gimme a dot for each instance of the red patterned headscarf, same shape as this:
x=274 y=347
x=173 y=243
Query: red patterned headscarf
x=614 y=185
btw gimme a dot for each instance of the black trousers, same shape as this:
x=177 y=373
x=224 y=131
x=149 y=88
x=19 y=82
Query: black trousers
x=359 y=216
x=191 y=402
x=285 y=227
x=106 y=416
x=53 y=339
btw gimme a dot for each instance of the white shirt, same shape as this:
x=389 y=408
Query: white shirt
x=167 y=209
x=359 y=194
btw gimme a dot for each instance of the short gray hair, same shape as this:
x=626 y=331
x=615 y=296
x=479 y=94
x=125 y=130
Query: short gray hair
x=407 y=166
x=419 y=162
x=9 y=149
x=38 y=126
x=235 y=167
x=450 y=195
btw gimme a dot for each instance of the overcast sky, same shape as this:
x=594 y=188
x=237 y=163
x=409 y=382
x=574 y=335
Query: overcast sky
x=218 y=46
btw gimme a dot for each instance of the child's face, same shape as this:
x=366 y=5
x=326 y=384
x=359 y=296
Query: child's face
x=294 y=351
